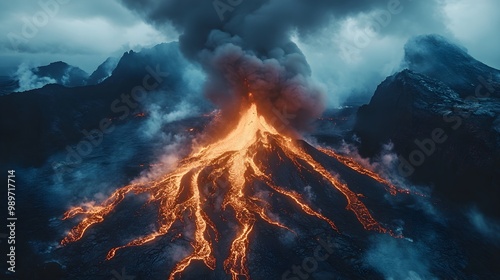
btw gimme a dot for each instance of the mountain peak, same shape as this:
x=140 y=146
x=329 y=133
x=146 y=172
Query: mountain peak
x=58 y=63
x=103 y=71
x=132 y=65
x=438 y=58
x=62 y=73
x=423 y=46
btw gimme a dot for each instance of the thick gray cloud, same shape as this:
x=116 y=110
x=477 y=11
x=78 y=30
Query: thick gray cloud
x=83 y=33
x=350 y=46
x=245 y=46
x=262 y=24
x=475 y=25
x=351 y=56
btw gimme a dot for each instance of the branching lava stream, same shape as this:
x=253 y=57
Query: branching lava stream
x=234 y=157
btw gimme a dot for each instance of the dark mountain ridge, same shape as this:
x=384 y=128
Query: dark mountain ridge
x=103 y=71
x=442 y=117
x=38 y=122
x=63 y=73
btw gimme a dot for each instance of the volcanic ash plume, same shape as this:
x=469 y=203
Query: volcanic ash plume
x=245 y=46
x=280 y=83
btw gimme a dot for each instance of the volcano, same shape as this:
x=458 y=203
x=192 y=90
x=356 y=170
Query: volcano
x=244 y=159
x=251 y=197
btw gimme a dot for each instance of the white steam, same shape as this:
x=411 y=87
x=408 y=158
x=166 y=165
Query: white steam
x=487 y=227
x=29 y=80
x=399 y=259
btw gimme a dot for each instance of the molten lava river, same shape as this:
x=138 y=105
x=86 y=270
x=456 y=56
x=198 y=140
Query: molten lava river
x=182 y=194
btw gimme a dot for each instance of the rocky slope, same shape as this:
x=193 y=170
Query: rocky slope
x=39 y=122
x=442 y=116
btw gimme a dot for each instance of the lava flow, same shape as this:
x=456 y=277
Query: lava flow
x=183 y=193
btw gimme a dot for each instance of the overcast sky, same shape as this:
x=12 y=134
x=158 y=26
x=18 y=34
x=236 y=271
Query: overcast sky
x=345 y=65
x=81 y=33
x=85 y=33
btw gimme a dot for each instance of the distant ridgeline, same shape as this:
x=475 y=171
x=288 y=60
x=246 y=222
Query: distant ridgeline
x=60 y=73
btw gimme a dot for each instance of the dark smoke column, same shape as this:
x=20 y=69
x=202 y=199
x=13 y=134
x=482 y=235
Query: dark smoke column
x=244 y=46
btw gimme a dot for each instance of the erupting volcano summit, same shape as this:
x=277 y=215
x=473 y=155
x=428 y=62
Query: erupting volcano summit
x=190 y=191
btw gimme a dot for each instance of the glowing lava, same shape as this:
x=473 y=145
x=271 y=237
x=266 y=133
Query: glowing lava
x=181 y=194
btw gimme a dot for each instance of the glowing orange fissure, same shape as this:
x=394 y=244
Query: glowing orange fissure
x=233 y=156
